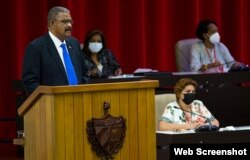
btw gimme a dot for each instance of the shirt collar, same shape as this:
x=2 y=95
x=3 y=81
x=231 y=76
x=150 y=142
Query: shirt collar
x=56 y=41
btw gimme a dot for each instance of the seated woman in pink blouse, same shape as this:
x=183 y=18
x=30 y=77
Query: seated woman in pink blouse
x=186 y=112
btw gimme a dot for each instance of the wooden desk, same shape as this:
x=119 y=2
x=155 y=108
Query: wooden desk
x=222 y=93
x=204 y=79
x=164 y=140
x=113 y=79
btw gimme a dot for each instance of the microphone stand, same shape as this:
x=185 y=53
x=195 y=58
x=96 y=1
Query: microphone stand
x=202 y=128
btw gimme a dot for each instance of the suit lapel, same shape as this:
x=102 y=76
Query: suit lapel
x=71 y=52
x=55 y=55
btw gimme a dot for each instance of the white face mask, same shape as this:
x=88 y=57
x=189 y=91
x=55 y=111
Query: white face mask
x=95 y=47
x=215 y=38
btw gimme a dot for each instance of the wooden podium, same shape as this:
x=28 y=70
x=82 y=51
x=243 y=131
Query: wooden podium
x=55 y=120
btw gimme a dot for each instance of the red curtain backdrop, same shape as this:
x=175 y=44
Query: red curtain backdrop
x=141 y=33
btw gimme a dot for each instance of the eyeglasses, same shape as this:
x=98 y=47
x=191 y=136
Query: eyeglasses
x=65 y=21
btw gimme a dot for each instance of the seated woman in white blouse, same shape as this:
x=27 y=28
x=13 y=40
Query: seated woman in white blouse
x=186 y=112
x=209 y=54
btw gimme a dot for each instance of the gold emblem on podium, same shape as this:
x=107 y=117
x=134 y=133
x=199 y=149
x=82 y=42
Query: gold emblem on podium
x=106 y=134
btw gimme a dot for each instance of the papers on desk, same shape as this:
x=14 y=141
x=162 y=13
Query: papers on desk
x=144 y=70
x=185 y=73
x=123 y=76
x=176 y=132
x=224 y=129
x=243 y=128
x=232 y=128
x=239 y=128
x=228 y=128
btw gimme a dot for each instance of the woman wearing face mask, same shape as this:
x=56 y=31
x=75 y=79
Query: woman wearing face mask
x=99 y=60
x=209 y=54
x=186 y=112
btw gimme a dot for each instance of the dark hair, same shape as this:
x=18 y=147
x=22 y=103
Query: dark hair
x=181 y=84
x=88 y=36
x=53 y=12
x=203 y=28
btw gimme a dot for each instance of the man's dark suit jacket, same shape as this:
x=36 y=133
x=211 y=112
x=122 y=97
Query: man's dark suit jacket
x=43 y=65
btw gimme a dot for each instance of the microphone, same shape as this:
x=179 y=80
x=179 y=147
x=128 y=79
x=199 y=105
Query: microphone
x=207 y=119
x=203 y=128
x=236 y=67
x=213 y=66
x=229 y=62
x=239 y=67
x=226 y=63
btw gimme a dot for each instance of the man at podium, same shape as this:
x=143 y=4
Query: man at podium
x=54 y=58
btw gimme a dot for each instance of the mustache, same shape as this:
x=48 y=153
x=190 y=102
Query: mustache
x=68 y=29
